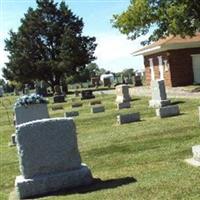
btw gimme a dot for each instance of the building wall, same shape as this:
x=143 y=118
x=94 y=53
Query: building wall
x=179 y=71
x=167 y=74
x=181 y=66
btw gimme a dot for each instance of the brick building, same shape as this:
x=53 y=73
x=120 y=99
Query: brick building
x=174 y=59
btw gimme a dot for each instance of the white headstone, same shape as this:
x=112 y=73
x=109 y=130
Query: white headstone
x=159 y=96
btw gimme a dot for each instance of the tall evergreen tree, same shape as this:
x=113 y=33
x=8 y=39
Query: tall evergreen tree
x=48 y=45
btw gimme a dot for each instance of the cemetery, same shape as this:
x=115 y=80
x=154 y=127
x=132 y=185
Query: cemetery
x=129 y=160
x=82 y=118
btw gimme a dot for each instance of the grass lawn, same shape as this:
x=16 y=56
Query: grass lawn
x=142 y=160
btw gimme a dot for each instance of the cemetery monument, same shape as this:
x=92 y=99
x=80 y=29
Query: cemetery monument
x=49 y=158
x=159 y=96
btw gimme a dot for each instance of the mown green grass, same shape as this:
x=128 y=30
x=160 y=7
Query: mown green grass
x=151 y=151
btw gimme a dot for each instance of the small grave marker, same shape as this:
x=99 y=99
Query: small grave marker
x=128 y=118
x=97 y=109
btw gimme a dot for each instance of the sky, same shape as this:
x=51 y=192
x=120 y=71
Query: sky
x=113 y=50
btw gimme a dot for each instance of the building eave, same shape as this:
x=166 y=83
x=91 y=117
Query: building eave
x=167 y=47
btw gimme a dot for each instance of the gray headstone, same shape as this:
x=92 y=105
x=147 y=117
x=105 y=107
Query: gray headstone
x=159 y=96
x=71 y=114
x=168 y=111
x=49 y=157
x=58 y=98
x=128 y=118
x=123 y=105
x=122 y=92
x=97 y=109
x=30 y=113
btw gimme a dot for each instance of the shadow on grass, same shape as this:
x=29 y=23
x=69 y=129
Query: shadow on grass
x=177 y=102
x=135 y=99
x=96 y=185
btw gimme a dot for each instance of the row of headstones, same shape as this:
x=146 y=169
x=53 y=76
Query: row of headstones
x=159 y=99
x=48 y=162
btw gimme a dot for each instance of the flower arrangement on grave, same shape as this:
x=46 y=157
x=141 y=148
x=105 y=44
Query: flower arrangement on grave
x=27 y=100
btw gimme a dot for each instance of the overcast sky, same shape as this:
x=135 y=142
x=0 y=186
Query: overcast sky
x=113 y=51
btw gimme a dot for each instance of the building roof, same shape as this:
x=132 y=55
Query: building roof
x=171 y=42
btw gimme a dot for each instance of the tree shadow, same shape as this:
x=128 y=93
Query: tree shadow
x=96 y=185
x=177 y=102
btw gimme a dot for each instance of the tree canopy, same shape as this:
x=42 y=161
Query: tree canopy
x=167 y=17
x=48 y=45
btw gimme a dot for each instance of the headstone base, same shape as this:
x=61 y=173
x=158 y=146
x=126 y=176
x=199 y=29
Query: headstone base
x=195 y=160
x=47 y=184
x=158 y=103
x=59 y=99
x=168 y=111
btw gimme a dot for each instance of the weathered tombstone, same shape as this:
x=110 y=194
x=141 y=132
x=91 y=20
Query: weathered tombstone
x=30 y=113
x=122 y=92
x=195 y=160
x=58 y=96
x=97 y=109
x=76 y=105
x=159 y=96
x=128 y=118
x=95 y=102
x=87 y=94
x=49 y=158
x=71 y=114
x=167 y=111
x=123 y=105
x=1 y=91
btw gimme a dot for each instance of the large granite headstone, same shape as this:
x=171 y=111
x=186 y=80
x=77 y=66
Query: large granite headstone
x=122 y=92
x=159 y=96
x=49 y=158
